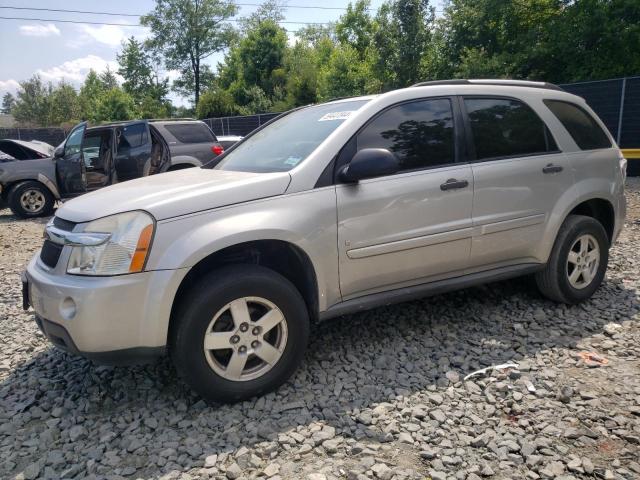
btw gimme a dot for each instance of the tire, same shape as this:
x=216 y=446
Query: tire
x=30 y=199
x=555 y=281
x=205 y=311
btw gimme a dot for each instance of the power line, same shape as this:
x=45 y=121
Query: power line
x=106 y=23
x=91 y=12
x=54 y=20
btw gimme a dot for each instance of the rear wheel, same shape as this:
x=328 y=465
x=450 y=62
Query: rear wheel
x=30 y=199
x=241 y=332
x=577 y=263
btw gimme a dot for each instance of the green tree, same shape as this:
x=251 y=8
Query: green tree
x=141 y=80
x=64 y=105
x=344 y=76
x=216 y=103
x=8 y=102
x=115 y=104
x=108 y=78
x=262 y=52
x=401 y=39
x=135 y=68
x=89 y=97
x=356 y=27
x=592 y=39
x=186 y=32
x=32 y=103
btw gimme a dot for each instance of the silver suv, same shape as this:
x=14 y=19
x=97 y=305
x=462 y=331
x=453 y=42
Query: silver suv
x=327 y=210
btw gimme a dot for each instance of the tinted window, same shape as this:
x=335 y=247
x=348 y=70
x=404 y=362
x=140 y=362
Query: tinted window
x=133 y=136
x=581 y=126
x=74 y=142
x=419 y=133
x=289 y=140
x=506 y=128
x=191 y=132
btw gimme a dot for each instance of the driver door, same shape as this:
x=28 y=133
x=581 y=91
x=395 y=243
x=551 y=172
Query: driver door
x=70 y=167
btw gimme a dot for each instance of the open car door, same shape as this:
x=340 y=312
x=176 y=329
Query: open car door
x=70 y=167
x=133 y=150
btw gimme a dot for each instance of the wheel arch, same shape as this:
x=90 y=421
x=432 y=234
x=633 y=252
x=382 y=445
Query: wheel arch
x=284 y=258
x=41 y=179
x=599 y=209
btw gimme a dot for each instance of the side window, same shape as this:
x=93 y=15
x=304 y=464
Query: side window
x=191 y=132
x=132 y=136
x=419 y=133
x=74 y=142
x=584 y=130
x=506 y=128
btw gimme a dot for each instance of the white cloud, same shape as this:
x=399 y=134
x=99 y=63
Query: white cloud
x=111 y=35
x=75 y=71
x=10 y=85
x=39 y=30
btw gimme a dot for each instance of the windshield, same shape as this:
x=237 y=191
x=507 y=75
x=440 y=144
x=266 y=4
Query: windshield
x=288 y=141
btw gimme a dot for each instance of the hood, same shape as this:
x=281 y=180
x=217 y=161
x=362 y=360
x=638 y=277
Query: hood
x=11 y=150
x=176 y=193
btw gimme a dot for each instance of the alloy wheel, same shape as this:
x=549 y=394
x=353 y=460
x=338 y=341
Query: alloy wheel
x=245 y=339
x=583 y=261
x=32 y=200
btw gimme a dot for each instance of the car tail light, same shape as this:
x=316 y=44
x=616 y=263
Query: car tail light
x=217 y=149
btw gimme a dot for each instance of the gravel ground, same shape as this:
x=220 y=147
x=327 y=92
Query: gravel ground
x=380 y=395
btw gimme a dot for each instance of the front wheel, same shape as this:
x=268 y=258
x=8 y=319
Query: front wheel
x=30 y=199
x=577 y=263
x=241 y=332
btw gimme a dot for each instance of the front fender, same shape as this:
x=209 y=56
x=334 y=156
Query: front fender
x=306 y=220
x=43 y=171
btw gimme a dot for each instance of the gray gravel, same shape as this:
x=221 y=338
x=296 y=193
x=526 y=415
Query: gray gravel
x=381 y=394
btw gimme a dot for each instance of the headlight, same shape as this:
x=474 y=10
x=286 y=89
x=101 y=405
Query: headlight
x=125 y=251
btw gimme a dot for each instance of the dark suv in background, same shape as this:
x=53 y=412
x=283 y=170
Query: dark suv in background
x=92 y=158
x=191 y=142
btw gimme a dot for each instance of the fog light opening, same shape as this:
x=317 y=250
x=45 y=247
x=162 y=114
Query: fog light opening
x=68 y=308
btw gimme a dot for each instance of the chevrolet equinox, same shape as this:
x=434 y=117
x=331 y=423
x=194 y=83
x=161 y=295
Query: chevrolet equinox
x=326 y=210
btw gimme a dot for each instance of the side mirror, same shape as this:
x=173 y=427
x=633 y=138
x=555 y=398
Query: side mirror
x=58 y=152
x=370 y=163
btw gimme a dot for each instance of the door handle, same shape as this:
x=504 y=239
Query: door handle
x=551 y=168
x=452 y=184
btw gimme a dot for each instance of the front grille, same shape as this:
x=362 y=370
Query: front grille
x=63 y=224
x=50 y=253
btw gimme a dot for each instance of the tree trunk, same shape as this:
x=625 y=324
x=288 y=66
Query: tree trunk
x=196 y=74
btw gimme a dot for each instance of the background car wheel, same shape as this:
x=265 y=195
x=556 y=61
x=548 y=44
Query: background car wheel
x=577 y=263
x=240 y=332
x=30 y=199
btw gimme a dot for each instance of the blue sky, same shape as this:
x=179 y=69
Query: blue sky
x=67 y=51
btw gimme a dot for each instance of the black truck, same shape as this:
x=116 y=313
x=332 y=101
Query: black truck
x=92 y=158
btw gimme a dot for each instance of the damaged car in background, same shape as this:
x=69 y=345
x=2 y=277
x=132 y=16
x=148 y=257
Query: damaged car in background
x=92 y=158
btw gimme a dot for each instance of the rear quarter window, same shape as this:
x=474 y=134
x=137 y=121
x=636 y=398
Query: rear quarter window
x=191 y=132
x=582 y=127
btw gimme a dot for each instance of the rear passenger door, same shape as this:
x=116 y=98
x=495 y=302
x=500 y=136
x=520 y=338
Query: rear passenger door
x=519 y=175
x=413 y=226
x=133 y=150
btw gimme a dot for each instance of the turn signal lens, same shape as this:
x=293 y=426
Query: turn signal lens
x=142 y=248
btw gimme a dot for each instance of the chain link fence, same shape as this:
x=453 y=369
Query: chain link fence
x=616 y=101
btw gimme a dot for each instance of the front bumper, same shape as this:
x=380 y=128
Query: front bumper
x=119 y=319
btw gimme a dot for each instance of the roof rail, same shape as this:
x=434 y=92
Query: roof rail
x=175 y=119
x=509 y=83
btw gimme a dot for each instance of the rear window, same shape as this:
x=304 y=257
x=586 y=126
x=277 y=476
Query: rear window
x=191 y=132
x=582 y=127
x=507 y=128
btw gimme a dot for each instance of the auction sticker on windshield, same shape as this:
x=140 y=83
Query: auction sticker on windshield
x=335 y=116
